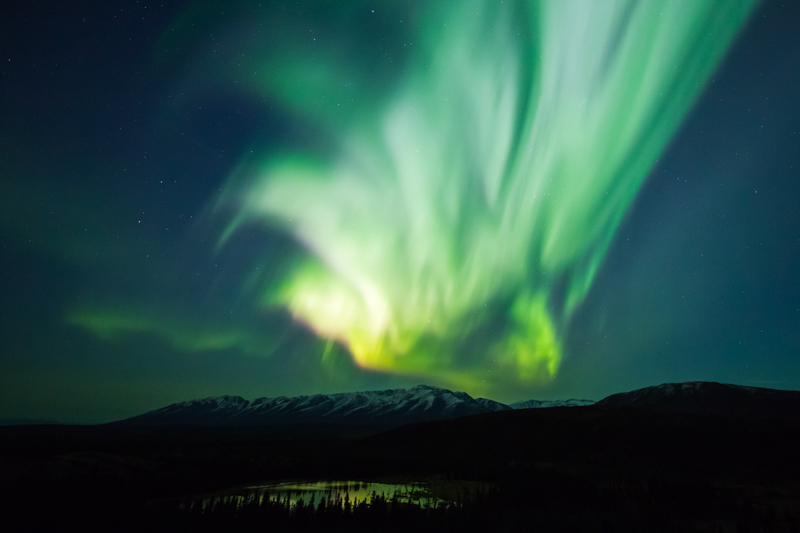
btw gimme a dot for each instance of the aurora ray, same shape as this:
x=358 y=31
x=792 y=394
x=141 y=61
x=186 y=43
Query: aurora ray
x=463 y=215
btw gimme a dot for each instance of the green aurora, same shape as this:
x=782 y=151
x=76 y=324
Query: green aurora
x=465 y=208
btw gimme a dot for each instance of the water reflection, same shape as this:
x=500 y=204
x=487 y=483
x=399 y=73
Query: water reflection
x=345 y=492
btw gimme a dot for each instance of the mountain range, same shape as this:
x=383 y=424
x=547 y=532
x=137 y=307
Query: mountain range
x=386 y=408
x=397 y=407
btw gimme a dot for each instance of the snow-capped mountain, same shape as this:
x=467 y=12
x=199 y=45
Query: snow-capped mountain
x=709 y=397
x=389 y=407
x=537 y=404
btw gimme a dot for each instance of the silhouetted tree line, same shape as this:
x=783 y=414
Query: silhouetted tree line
x=551 y=502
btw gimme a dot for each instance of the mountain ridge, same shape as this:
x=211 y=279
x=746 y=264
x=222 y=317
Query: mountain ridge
x=709 y=397
x=389 y=407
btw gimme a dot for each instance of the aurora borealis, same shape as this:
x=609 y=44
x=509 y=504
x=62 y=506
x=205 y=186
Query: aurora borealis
x=514 y=199
x=501 y=164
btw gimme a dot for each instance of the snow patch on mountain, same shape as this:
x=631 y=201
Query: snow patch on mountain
x=538 y=404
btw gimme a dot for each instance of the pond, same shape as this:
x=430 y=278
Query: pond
x=419 y=493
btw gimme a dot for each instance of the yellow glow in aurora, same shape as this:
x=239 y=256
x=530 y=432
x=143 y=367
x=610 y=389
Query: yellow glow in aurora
x=463 y=215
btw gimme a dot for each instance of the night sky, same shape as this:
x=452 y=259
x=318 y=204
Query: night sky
x=514 y=199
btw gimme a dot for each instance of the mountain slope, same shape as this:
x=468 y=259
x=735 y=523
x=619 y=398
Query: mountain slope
x=706 y=397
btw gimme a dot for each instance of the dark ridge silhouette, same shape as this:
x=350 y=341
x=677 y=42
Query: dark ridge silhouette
x=709 y=397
